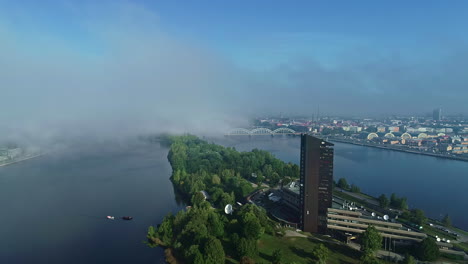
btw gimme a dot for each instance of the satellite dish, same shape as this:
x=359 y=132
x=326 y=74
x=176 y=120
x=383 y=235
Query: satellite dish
x=448 y=240
x=438 y=239
x=373 y=214
x=385 y=217
x=228 y=209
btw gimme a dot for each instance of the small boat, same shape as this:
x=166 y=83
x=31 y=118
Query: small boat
x=110 y=217
x=127 y=217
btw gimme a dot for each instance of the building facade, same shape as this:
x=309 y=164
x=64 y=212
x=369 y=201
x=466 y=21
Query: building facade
x=316 y=183
x=437 y=114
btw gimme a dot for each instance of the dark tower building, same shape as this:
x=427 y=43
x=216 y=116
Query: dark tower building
x=437 y=114
x=316 y=183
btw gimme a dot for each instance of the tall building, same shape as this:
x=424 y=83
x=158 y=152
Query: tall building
x=316 y=183
x=437 y=114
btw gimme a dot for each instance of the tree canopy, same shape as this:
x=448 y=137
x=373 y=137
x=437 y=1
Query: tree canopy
x=343 y=184
x=198 y=165
x=428 y=250
x=383 y=201
x=398 y=202
x=371 y=241
x=201 y=233
x=447 y=221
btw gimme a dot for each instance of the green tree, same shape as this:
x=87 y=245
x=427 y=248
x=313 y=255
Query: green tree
x=383 y=201
x=277 y=256
x=321 y=253
x=355 y=188
x=215 y=225
x=447 y=221
x=214 y=252
x=197 y=199
x=343 y=184
x=417 y=216
x=247 y=247
x=428 y=250
x=409 y=259
x=215 y=179
x=371 y=241
x=152 y=236
x=193 y=254
x=251 y=227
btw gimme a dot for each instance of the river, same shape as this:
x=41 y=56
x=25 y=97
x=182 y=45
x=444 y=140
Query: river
x=436 y=185
x=53 y=207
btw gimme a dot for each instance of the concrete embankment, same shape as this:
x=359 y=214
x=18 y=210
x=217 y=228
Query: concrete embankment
x=399 y=149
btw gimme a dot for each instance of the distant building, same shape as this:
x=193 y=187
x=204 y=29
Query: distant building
x=316 y=183
x=381 y=129
x=460 y=149
x=437 y=114
x=290 y=195
x=357 y=223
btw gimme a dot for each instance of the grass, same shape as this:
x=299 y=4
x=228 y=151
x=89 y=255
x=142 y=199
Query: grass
x=463 y=246
x=458 y=230
x=299 y=250
x=436 y=232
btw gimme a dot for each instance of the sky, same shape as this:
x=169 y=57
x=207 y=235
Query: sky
x=81 y=67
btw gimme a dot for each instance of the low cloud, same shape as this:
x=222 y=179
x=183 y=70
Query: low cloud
x=119 y=73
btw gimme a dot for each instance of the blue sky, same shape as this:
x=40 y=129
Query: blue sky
x=263 y=33
x=86 y=62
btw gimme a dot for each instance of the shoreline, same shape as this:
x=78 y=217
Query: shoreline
x=23 y=159
x=400 y=150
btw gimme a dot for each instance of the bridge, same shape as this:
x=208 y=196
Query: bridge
x=261 y=131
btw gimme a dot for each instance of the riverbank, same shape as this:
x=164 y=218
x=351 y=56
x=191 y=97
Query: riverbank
x=398 y=149
x=22 y=159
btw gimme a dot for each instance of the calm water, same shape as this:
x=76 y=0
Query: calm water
x=438 y=186
x=53 y=208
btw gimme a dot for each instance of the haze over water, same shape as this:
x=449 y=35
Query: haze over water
x=54 y=208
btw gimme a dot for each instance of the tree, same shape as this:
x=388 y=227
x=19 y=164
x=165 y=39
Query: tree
x=447 y=221
x=428 y=250
x=321 y=253
x=251 y=227
x=417 y=216
x=399 y=203
x=215 y=179
x=247 y=247
x=383 y=201
x=355 y=188
x=197 y=199
x=277 y=256
x=371 y=240
x=393 y=199
x=214 y=252
x=409 y=259
x=215 y=225
x=343 y=184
